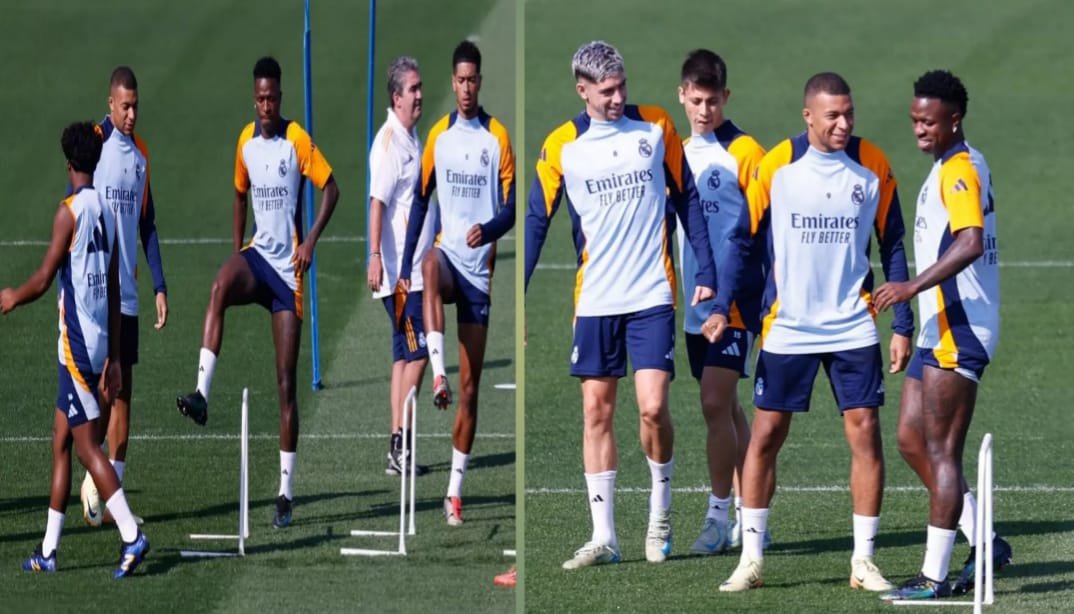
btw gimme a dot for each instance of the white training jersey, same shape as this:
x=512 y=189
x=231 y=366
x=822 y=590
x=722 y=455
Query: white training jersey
x=272 y=172
x=722 y=163
x=83 y=286
x=470 y=164
x=122 y=178
x=821 y=209
x=960 y=315
x=394 y=171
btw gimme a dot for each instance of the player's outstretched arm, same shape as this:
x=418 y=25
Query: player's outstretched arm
x=63 y=226
x=967 y=247
x=329 y=198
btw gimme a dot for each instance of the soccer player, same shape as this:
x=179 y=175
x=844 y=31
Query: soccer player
x=469 y=162
x=957 y=286
x=722 y=158
x=273 y=156
x=617 y=165
x=394 y=168
x=122 y=177
x=814 y=203
x=83 y=255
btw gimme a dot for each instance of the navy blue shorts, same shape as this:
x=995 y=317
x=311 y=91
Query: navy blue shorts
x=785 y=381
x=128 y=340
x=408 y=337
x=471 y=303
x=732 y=352
x=272 y=292
x=972 y=370
x=77 y=395
x=602 y=343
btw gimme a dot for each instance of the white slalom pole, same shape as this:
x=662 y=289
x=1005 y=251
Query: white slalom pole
x=410 y=407
x=244 y=474
x=402 y=485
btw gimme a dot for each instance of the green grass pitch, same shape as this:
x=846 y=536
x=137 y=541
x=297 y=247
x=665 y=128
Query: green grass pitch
x=1009 y=55
x=193 y=63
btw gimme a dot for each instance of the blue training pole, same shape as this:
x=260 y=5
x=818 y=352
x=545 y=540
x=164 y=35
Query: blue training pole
x=369 y=110
x=308 y=77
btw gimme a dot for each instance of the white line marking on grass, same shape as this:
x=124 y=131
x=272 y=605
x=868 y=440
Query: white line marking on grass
x=630 y=490
x=1015 y=264
x=235 y=436
x=205 y=241
x=508 y=386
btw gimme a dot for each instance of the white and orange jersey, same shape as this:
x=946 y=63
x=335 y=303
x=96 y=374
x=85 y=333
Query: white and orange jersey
x=394 y=170
x=722 y=163
x=471 y=166
x=122 y=179
x=817 y=211
x=617 y=177
x=960 y=315
x=83 y=286
x=272 y=171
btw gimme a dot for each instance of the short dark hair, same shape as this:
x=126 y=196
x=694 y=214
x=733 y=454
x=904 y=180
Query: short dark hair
x=267 y=68
x=466 y=51
x=704 y=68
x=124 y=77
x=945 y=86
x=826 y=83
x=82 y=146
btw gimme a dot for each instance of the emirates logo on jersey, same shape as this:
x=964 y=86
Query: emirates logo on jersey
x=283 y=168
x=484 y=157
x=858 y=195
x=645 y=150
x=714 y=180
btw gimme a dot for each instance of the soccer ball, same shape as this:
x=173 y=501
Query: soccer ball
x=91 y=502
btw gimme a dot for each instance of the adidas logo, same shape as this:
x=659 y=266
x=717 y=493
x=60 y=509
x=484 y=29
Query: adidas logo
x=731 y=350
x=752 y=530
x=598 y=499
x=665 y=480
x=458 y=471
x=284 y=472
x=71 y=412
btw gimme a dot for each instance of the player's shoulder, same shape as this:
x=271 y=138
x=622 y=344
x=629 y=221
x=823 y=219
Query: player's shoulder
x=139 y=142
x=565 y=133
x=737 y=141
x=295 y=132
x=648 y=113
x=867 y=153
x=784 y=152
x=494 y=126
x=440 y=126
x=247 y=132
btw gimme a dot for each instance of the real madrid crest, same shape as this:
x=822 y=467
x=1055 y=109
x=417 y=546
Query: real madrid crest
x=283 y=167
x=714 y=180
x=484 y=157
x=644 y=148
x=858 y=196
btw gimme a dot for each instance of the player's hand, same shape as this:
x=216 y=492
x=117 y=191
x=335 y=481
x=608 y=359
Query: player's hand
x=899 y=353
x=7 y=301
x=373 y=272
x=111 y=381
x=303 y=256
x=702 y=293
x=713 y=327
x=891 y=293
x=162 y=310
x=403 y=284
x=474 y=236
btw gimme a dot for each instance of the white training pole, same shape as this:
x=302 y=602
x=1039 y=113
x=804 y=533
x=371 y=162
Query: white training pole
x=410 y=406
x=244 y=494
x=402 y=482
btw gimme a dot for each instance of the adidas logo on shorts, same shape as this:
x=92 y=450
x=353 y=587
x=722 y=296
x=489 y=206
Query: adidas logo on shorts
x=731 y=350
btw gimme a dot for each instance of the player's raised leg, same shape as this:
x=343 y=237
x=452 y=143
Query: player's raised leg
x=235 y=284
x=438 y=284
x=600 y=457
x=286 y=336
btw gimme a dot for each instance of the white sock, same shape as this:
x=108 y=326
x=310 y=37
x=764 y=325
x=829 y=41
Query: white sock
x=865 y=530
x=938 y=546
x=119 y=466
x=601 y=488
x=738 y=508
x=660 y=496
x=435 y=343
x=718 y=509
x=968 y=520
x=458 y=472
x=287 y=471
x=206 y=366
x=754 y=521
x=128 y=530
x=53 y=530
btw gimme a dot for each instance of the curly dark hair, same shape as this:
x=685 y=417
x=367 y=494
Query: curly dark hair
x=945 y=86
x=267 y=68
x=466 y=52
x=82 y=146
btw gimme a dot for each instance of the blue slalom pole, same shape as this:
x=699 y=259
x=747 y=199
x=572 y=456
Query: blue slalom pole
x=308 y=78
x=369 y=110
